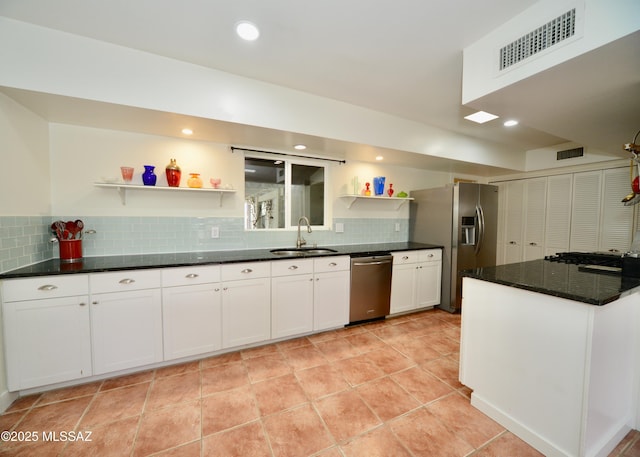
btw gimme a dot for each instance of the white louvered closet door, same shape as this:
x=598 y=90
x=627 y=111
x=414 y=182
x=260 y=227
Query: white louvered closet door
x=585 y=211
x=617 y=220
x=514 y=216
x=558 y=216
x=535 y=200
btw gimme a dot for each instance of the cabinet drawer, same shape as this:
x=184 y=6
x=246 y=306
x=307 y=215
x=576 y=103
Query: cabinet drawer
x=337 y=263
x=430 y=255
x=405 y=257
x=119 y=281
x=44 y=287
x=291 y=267
x=234 y=271
x=185 y=276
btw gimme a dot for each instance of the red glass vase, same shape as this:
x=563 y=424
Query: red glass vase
x=173 y=174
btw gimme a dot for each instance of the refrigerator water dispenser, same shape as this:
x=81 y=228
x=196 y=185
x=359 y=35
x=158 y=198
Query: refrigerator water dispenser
x=468 y=236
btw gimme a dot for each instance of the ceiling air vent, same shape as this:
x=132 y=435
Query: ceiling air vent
x=551 y=33
x=569 y=153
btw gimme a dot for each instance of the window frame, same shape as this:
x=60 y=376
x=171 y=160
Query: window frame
x=289 y=160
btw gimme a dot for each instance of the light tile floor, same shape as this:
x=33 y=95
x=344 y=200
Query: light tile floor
x=382 y=389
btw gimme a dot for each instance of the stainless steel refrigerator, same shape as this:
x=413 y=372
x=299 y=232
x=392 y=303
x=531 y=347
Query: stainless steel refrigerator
x=462 y=217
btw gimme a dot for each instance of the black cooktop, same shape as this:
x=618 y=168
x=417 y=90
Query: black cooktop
x=593 y=259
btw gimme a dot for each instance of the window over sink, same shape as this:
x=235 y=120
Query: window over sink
x=278 y=192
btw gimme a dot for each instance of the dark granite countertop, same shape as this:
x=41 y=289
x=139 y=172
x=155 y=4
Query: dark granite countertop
x=143 y=261
x=560 y=280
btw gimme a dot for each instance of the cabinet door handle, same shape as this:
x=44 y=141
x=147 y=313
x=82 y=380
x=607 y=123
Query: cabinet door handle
x=404 y=257
x=217 y=289
x=192 y=276
x=225 y=288
x=292 y=267
x=512 y=242
x=533 y=243
x=127 y=281
x=47 y=287
x=333 y=264
x=430 y=255
x=247 y=270
x=614 y=250
x=83 y=304
x=94 y=302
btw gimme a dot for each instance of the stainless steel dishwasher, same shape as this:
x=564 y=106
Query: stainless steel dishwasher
x=370 y=287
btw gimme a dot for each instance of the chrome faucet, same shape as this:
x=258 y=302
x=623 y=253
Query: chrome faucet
x=301 y=241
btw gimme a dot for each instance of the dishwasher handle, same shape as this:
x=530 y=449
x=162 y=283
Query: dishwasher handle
x=378 y=262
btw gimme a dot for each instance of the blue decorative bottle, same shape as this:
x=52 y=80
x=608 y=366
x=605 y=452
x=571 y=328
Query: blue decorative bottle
x=148 y=177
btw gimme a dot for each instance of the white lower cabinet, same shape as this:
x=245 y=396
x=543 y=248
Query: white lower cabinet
x=331 y=299
x=47 y=341
x=46 y=330
x=192 y=320
x=126 y=326
x=416 y=280
x=246 y=303
x=66 y=327
x=191 y=311
x=309 y=295
x=291 y=297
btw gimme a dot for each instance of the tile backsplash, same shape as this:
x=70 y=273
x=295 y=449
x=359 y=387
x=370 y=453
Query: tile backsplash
x=25 y=240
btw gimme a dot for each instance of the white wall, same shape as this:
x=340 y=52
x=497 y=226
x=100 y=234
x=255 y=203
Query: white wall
x=24 y=155
x=546 y=158
x=598 y=22
x=81 y=156
x=402 y=178
x=63 y=64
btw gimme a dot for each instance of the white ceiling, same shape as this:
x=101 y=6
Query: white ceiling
x=403 y=58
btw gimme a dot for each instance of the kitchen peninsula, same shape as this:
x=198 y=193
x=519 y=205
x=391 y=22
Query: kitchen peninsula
x=551 y=352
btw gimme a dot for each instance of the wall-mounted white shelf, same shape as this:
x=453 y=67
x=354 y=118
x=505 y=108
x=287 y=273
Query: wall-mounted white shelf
x=123 y=188
x=397 y=201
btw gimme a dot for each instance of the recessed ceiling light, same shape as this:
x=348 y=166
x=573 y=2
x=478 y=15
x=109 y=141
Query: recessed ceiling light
x=247 y=31
x=379 y=157
x=187 y=131
x=481 y=117
x=510 y=123
x=300 y=147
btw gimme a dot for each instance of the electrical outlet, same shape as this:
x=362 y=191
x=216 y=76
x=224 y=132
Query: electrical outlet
x=215 y=232
x=397 y=226
x=339 y=227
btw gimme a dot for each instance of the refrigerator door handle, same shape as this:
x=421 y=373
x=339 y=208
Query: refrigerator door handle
x=480 y=216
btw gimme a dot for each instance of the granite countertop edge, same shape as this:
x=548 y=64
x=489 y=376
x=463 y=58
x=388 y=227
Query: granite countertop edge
x=540 y=276
x=100 y=264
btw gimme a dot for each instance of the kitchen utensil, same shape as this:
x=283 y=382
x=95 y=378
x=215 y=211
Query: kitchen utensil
x=60 y=228
x=79 y=226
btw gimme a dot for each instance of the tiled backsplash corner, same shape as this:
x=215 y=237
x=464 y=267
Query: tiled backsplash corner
x=24 y=240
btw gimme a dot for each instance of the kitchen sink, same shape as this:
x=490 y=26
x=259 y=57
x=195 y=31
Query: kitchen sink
x=301 y=251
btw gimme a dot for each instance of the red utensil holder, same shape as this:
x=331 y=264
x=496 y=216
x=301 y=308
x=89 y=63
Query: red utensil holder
x=70 y=250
